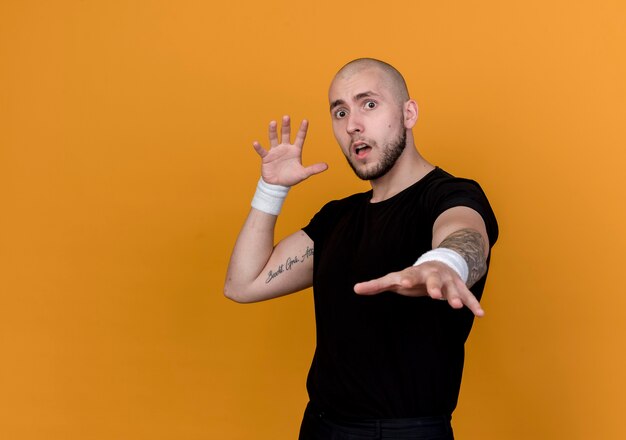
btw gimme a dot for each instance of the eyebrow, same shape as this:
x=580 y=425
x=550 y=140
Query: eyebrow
x=357 y=97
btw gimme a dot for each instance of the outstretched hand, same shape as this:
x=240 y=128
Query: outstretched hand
x=432 y=278
x=282 y=164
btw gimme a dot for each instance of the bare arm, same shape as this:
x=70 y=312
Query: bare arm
x=461 y=229
x=257 y=270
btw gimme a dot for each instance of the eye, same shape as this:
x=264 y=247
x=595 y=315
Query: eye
x=370 y=104
x=340 y=114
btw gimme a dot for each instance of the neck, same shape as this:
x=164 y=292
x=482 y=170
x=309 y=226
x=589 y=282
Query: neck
x=408 y=169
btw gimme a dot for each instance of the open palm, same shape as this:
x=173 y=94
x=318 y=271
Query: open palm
x=282 y=164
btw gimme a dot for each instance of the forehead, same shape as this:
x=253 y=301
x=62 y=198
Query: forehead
x=346 y=86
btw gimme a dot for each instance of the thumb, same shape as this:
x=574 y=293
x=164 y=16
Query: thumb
x=375 y=286
x=315 y=169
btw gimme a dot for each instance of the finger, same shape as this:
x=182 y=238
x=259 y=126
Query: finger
x=475 y=307
x=470 y=300
x=372 y=287
x=452 y=294
x=301 y=135
x=315 y=169
x=285 y=130
x=433 y=286
x=273 y=135
x=259 y=149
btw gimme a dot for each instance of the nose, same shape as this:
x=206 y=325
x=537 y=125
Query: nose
x=354 y=124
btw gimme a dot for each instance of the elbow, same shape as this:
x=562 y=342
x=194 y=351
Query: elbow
x=234 y=297
x=229 y=292
x=233 y=294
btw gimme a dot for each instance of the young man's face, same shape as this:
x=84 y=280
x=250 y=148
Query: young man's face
x=367 y=122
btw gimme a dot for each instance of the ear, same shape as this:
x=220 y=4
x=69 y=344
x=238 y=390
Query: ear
x=410 y=114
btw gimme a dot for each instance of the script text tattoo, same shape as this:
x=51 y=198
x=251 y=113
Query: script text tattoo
x=289 y=264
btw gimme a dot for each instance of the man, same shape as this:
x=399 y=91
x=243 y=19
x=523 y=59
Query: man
x=389 y=354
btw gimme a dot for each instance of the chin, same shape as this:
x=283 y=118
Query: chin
x=373 y=172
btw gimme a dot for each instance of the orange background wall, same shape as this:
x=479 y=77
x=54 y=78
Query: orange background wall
x=126 y=170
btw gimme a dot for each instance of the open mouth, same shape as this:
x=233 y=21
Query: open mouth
x=361 y=149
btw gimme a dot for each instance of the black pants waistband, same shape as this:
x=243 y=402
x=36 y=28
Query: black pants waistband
x=318 y=420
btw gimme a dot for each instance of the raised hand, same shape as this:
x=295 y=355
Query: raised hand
x=282 y=164
x=432 y=278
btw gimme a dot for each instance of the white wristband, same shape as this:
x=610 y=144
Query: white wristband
x=448 y=257
x=269 y=198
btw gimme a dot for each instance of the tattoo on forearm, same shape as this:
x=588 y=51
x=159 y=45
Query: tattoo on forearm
x=289 y=264
x=470 y=244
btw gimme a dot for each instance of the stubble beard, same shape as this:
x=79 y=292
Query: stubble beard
x=390 y=155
